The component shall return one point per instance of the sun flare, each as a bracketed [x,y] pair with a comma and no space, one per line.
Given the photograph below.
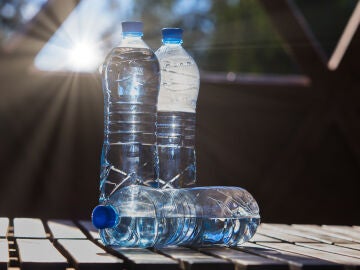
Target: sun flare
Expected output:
[84,57]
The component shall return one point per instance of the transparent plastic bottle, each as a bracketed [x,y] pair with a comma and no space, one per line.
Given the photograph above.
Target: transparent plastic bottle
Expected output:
[131,81]
[178,93]
[139,216]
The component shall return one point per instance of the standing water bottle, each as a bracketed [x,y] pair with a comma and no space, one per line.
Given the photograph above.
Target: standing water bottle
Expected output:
[139,216]
[176,112]
[131,81]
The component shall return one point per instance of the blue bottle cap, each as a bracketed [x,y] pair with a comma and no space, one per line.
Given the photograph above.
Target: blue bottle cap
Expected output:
[172,35]
[104,217]
[132,28]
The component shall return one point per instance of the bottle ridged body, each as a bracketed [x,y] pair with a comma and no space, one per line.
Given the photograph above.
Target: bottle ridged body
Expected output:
[176,117]
[131,79]
[204,216]
[176,149]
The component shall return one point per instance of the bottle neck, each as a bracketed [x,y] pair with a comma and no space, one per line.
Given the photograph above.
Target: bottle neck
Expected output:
[172,47]
[133,40]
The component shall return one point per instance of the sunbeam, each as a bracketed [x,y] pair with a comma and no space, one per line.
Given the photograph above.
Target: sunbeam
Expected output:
[84,57]
[85,37]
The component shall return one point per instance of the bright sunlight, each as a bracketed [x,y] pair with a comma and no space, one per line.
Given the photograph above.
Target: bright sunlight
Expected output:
[84,57]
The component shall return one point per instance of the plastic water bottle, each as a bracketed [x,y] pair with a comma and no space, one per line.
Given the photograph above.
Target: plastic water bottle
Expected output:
[139,216]
[176,112]
[131,81]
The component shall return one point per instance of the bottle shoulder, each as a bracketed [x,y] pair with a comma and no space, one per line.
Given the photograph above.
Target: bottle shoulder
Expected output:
[133,43]
[122,52]
[176,57]
[130,46]
[172,51]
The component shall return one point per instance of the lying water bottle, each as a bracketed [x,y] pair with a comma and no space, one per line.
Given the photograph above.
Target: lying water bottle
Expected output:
[176,112]
[140,216]
[131,81]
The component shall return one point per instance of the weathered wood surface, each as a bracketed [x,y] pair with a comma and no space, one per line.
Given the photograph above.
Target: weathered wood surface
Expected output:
[63,244]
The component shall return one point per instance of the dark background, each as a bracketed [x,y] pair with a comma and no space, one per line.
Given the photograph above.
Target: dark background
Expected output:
[271,116]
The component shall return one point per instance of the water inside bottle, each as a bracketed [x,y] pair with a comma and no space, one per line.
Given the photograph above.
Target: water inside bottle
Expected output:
[124,163]
[179,80]
[176,149]
[176,116]
[130,85]
[180,231]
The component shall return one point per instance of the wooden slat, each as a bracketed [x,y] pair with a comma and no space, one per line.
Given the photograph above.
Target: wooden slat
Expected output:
[303,232]
[4,254]
[244,260]
[29,228]
[193,260]
[314,253]
[323,235]
[352,246]
[90,229]
[138,259]
[343,229]
[333,249]
[64,229]
[4,226]
[262,238]
[35,254]
[86,255]
[317,228]
[297,261]
[284,236]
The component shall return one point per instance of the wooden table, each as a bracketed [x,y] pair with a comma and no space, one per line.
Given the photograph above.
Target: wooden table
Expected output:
[63,244]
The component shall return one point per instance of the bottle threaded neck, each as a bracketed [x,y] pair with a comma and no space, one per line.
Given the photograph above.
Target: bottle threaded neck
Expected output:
[132,29]
[172,35]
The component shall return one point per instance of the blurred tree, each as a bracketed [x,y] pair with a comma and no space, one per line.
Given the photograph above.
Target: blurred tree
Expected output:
[14,14]
[244,40]
[222,35]
[10,17]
